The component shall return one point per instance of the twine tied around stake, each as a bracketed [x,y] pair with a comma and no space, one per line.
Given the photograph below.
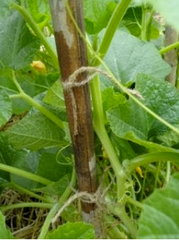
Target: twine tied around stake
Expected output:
[71,83]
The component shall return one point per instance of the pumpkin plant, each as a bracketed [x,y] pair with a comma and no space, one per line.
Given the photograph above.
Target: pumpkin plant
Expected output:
[89,124]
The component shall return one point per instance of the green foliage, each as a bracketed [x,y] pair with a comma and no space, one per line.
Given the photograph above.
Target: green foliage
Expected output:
[97,14]
[78,230]
[130,122]
[6,108]
[128,56]
[35,138]
[4,233]
[35,131]
[159,219]
[18,45]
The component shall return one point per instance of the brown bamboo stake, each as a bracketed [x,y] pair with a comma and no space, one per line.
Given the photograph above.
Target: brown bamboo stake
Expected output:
[72,55]
[171,57]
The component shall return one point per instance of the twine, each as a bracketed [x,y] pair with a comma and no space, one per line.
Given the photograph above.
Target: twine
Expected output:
[71,83]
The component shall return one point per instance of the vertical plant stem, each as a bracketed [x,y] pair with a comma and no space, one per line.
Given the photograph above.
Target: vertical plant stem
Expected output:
[157,174]
[168,172]
[143,30]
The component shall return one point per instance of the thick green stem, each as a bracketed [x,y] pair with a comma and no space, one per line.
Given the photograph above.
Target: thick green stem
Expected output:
[24,174]
[98,122]
[113,231]
[47,222]
[116,18]
[169,48]
[27,204]
[37,31]
[121,213]
[98,115]
[149,158]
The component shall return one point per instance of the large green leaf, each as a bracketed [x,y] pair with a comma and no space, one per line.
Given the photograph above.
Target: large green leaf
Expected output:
[6,108]
[78,230]
[129,121]
[160,217]
[4,233]
[128,56]
[97,14]
[35,131]
[17,45]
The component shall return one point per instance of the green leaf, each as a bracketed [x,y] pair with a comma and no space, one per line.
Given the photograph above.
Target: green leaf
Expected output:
[39,10]
[49,167]
[122,147]
[4,233]
[5,9]
[111,99]
[78,230]
[54,96]
[6,108]
[97,14]
[129,56]
[160,217]
[17,45]
[131,122]
[35,131]
[27,161]
[56,188]
[6,82]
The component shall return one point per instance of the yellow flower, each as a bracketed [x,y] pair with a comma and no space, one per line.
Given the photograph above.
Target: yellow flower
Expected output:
[39,66]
